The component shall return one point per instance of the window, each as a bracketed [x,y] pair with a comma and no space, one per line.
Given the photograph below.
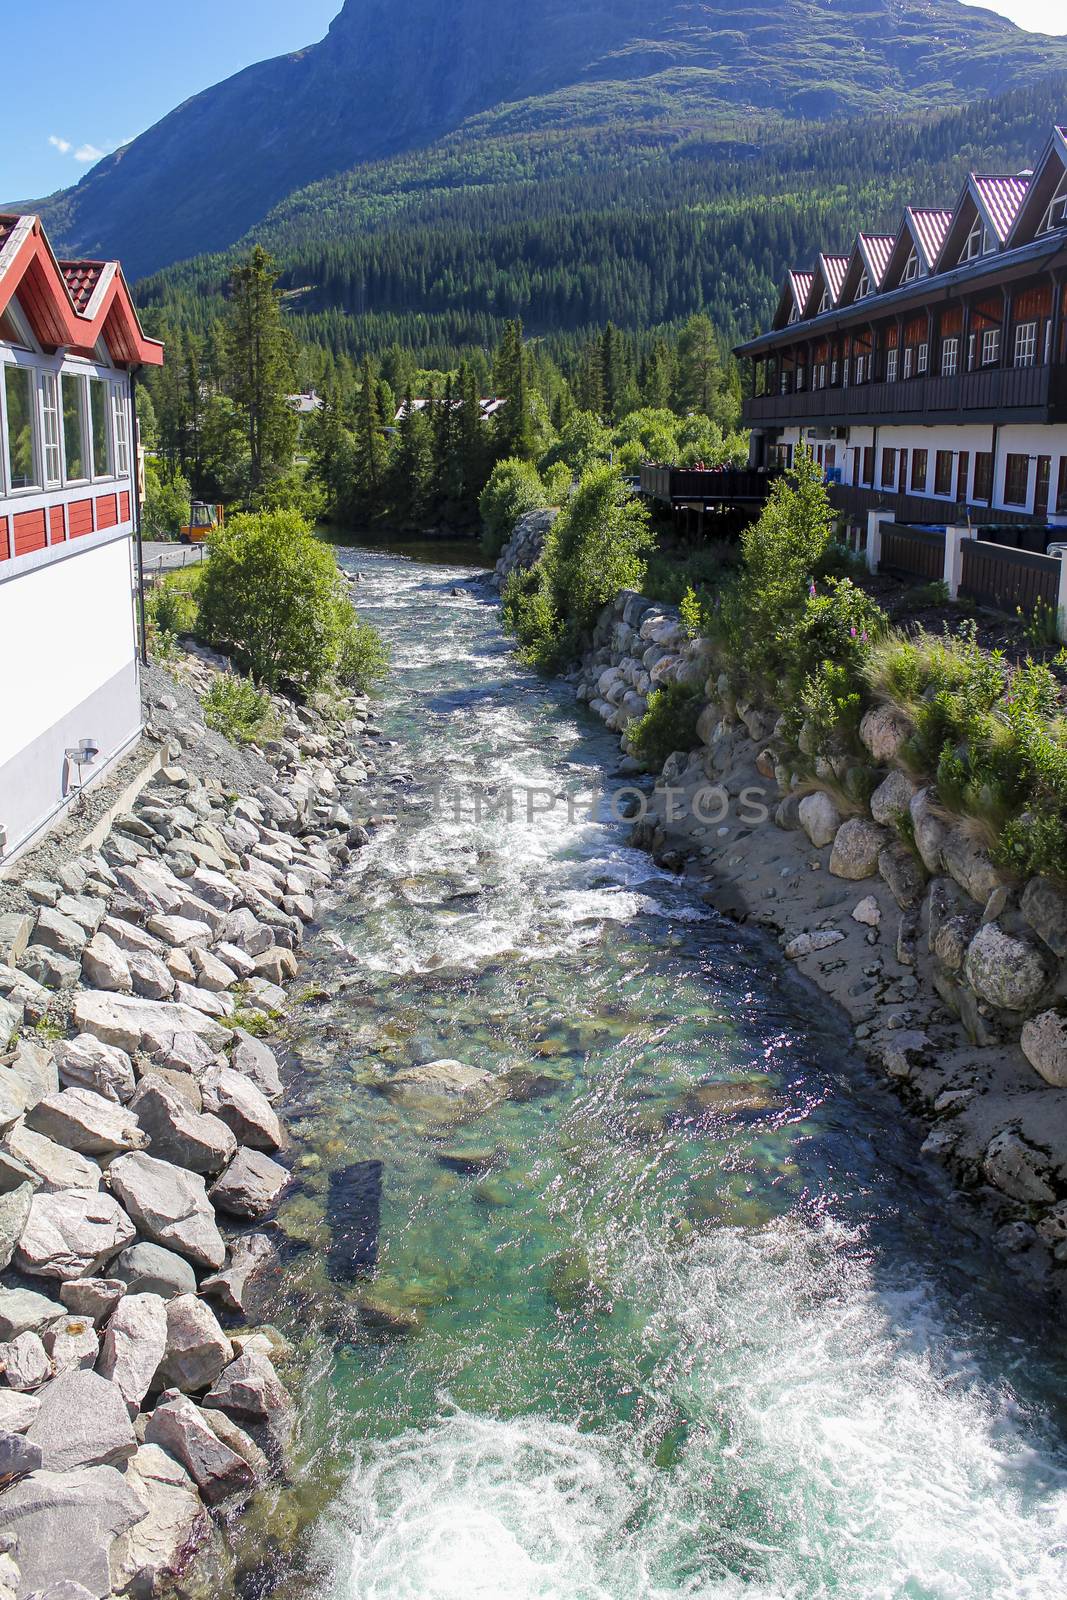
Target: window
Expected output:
[867,468]
[833,371]
[863,288]
[1061,492]
[861,369]
[891,366]
[911,267]
[990,347]
[19,390]
[52,447]
[970,352]
[794,315]
[919,459]
[1056,215]
[122,435]
[74,427]
[100,431]
[983,477]
[889,467]
[1026,344]
[973,245]
[824,303]
[1016,480]
[909,360]
[950,357]
[943,472]
[924,358]
[800,378]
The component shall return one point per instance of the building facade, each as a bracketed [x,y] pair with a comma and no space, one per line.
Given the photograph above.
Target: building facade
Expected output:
[70,343]
[927,370]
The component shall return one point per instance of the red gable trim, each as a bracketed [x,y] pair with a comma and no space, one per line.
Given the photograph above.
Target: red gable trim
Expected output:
[29,268]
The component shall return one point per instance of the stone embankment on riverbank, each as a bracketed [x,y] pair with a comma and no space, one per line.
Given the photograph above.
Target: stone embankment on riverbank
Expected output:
[953,975]
[141,1151]
[524,547]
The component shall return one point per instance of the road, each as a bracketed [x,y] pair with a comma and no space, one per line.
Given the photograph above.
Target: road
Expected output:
[166,555]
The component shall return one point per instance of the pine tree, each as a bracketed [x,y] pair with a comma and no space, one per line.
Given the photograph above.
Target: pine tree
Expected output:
[370,446]
[411,465]
[699,367]
[515,430]
[259,367]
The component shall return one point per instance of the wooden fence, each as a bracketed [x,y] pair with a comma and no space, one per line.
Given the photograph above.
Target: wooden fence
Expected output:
[913,552]
[1006,579]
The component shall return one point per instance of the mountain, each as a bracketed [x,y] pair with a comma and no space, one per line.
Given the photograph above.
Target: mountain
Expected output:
[395,76]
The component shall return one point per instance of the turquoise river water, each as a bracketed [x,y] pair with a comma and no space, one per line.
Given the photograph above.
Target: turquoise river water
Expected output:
[695,1316]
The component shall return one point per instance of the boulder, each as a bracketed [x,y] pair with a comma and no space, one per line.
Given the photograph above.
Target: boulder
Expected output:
[883,731]
[250,1186]
[1044,905]
[92,1298]
[17,1411]
[867,912]
[88,1123]
[180,932]
[1044,1044]
[177,1133]
[857,846]
[65,1525]
[72,1233]
[151,978]
[443,1080]
[35,1069]
[239,960]
[257,1061]
[86,910]
[970,865]
[149,1269]
[149,1025]
[180,1428]
[902,872]
[16,930]
[25,1363]
[12,1014]
[252,1395]
[245,931]
[26,1311]
[250,1255]
[134,1345]
[49,968]
[14,1215]
[83,1422]
[59,933]
[810,942]
[892,799]
[1014,1166]
[72,1344]
[242,1107]
[241,1443]
[157,1549]
[197,1350]
[87,1063]
[819,818]
[54,1167]
[104,966]
[169,1206]
[1004,970]
[18,1456]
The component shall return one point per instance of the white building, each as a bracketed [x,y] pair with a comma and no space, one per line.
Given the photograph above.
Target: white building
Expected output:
[70,342]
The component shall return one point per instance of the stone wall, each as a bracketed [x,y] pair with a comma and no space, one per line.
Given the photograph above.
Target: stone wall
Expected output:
[141,1150]
[952,974]
[524,547]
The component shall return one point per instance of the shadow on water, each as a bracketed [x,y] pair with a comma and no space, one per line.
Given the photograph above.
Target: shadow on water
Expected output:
[673,1306]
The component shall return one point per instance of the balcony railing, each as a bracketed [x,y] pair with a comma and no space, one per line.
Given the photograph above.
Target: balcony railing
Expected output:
[992,389]
[722,485]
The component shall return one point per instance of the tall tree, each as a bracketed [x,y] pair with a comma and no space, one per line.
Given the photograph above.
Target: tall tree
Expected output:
[515,426]
[411,465]
[699,367]
[259,366]
[370,444]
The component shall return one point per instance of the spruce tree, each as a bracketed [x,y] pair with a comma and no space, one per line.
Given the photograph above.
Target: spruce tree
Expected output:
[370,446]
[259,366]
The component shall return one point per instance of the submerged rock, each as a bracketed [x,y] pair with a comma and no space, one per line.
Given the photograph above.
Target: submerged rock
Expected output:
[354,1213]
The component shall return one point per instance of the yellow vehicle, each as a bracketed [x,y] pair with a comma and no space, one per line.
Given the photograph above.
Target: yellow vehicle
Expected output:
[203,520]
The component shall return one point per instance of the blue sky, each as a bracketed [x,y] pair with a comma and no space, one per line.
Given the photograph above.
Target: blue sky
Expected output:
[72,92]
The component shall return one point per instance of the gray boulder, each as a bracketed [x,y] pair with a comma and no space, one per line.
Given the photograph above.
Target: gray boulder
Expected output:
[88,1123]
[1044,905]
[25,1363]
[149,1025]
[25,1311]
[53,1166]
[149,1269]
[857,846]
[245,931]
[257,1061]
[439,1081]
[65,1525]
[242,1107]
[71,1234]
[14,1215]
[88,1063]
[1044,1044]
[251,1184]
[1006,971]
[903,873]
[177,1133]
[883,731]
[251,1393]
[12,1014]
[151,978]
[134,1345]
[34,1067]
[928,829]
[70,1344]
[86,910]
[104,966]
[92,1298]
[892,799]
[59,933]
[197,1350]
[1013,1165]
[49,968]
[18,1456]
[157,1550]
[169,1206]
[17,1411]
[180,932]
[250,1255]
[819,818]
[83,1422]
[969,865]
[180,1428]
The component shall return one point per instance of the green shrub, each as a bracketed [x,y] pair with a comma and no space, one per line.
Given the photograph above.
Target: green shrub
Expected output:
[234,707]
[173,605]
[557,481]
[514,488]
[363,656]
[166,503]
[583,443]
[271,596]
[669,724]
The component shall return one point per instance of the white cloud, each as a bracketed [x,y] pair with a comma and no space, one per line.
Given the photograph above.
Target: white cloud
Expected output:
[88,152]
[62,145]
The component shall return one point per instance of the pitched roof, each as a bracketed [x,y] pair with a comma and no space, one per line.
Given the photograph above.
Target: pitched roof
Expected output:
[835,268]
[801,284]
[877,248]
[929,227]
[1001,197]
[70,303]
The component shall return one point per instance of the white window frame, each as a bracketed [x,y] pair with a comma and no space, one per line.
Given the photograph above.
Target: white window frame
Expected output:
[109,443]
[909,360]
[974,242]
[891,357]
[35,429]
[1025,350]
[990,347]
[1056,210]
[824,303]
[121,407]
[911,267]
[950,356]
[51,430]
[863,288]
[922,365]
[833,371]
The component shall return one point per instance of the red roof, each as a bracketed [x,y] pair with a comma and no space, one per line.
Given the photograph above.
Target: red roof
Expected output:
[1001,197]
[835,268]
[71,303]
[929,227]
[802,282]
[878,247]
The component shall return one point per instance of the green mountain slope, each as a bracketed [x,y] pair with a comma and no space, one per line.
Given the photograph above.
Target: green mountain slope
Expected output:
[398,75]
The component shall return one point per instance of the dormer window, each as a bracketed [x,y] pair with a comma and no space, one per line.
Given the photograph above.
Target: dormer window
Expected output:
[911,267]
[824,303]
[1056,215]
[794,315]
[863,288]
[14,329]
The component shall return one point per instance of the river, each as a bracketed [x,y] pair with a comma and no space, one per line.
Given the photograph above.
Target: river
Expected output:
[697,1319]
